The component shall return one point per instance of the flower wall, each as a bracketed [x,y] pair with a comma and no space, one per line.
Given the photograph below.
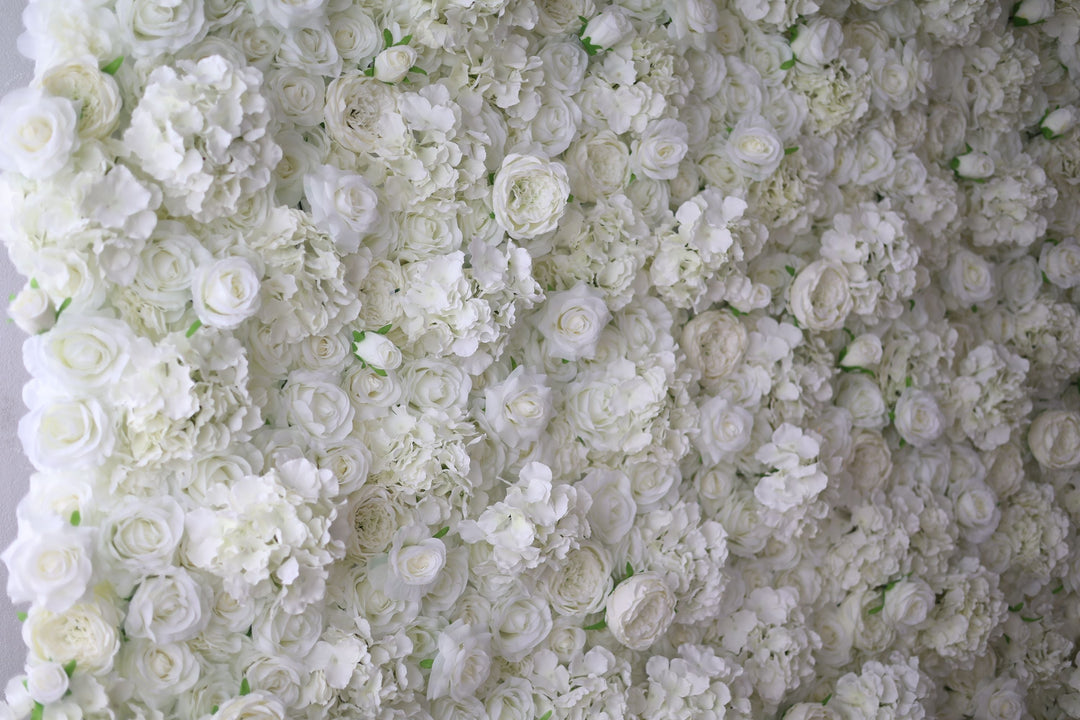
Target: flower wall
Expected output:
[547,360]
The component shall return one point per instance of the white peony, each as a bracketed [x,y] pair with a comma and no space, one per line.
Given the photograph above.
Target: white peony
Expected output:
[529,196]
[342,204]
[640,610]
[820,296]
[1054,439]
[754,148]
[518,409]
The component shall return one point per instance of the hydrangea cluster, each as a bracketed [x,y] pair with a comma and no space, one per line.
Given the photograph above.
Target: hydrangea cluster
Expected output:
[547,360]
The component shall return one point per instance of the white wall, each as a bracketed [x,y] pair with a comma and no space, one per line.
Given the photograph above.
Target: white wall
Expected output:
[15,71]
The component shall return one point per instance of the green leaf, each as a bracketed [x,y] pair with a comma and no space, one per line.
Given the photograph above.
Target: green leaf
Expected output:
[442,532]
[388,38]
[791,150]
[426,663]
[370,72]
[596,626]
[34,283]
[1037,618]
[69,668]
[213,709]
[357,336]
[849,333]
[1017,607]
[570,198]
[1045,279]
[736,312]
[1008,640]
[907,381]
[827,699]
[194,328]
[385,328]
[37,712]
[633,177]
[629,570]
[245,687]
[491,215]
[21,616]
[546,716]
[842,355]
[491,178]
[787,64]
[790,270]
[11,297]
[63,307]
[1059,588]
[418,69]
[513,364]
[857,369]
[911,304]
[404,41]
[112,67]
[76,518]
[876,610]
[954,164]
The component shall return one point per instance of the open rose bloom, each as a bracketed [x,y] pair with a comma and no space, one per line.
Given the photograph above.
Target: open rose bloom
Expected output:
[554,360]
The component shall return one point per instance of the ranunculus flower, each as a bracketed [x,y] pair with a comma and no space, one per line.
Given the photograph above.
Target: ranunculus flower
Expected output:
[529,196]
[640,610]
[820,296]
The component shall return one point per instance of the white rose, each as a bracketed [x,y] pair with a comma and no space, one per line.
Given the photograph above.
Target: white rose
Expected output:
[861,396]
[342,204]
[462,663]
[256,705]
[300,96]
[724,429]
[49,563]
[377,350]
[908,602]
[864,351]
[564,64]
[168,608]
[529,196]
[225,292]
[579,585]
[415,561]
[436,385]
[973,166]
[820,296]
[80,353]
[160,27]
[818,42]
[519,408]
[316,404]
[355,34]
[571,322]
[159,670]
[970,278]
[1000,699]
[32,310]
[1021,282]
[612,511]
[95,93]
[1029,12]
[609,28]
[556,122]
[47,682]
[518,625]
[37,133]
[659,150]
[394,63]
[1061,263]
[714,342]
[65,433]
[85,633]
[917,417]
[754,148]
[977,510]
[640,610]
[1054,439]
[140,535]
